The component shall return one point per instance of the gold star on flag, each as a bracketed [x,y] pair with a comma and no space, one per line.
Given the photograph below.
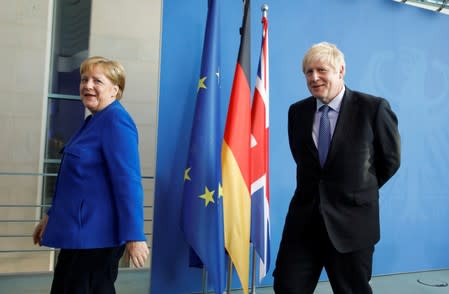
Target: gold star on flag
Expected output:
[208,196]
[186,174]
[201,84]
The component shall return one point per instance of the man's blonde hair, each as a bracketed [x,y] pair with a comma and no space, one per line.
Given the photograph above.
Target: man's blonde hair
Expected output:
[325,52]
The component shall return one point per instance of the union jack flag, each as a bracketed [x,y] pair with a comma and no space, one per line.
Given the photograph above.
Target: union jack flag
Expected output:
[260,200]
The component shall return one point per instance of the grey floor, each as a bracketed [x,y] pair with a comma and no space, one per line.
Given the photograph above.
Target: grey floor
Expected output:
[137,282]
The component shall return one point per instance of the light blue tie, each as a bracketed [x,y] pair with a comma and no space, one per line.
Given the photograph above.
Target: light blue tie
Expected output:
[324,134]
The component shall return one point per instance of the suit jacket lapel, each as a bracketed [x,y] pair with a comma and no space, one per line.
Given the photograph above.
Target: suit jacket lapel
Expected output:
[344,123]
[307,121]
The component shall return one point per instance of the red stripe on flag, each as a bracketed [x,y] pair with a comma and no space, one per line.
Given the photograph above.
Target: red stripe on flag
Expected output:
[237,132]
[260,133]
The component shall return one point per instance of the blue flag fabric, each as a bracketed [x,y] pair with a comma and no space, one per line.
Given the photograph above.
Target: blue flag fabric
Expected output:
[202,202]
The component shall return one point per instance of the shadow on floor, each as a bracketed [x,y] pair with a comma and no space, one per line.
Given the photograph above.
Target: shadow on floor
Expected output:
[138,282]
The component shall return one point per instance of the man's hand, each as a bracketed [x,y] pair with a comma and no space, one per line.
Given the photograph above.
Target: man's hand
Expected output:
[138,252]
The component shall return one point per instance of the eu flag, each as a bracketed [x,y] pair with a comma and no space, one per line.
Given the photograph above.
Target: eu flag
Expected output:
[202,203]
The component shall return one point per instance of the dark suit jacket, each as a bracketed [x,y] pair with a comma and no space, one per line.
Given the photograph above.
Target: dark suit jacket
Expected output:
[364,153]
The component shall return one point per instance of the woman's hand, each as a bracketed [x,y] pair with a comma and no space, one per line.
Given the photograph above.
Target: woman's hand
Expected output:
[138,252]
[39,230]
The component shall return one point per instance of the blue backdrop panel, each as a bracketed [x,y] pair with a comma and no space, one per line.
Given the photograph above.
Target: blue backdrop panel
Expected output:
[392,50]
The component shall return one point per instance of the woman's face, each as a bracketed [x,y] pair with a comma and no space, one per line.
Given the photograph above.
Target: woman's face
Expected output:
[96,90]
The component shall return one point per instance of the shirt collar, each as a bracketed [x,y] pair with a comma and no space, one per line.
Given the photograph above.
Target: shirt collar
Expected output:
[335,103]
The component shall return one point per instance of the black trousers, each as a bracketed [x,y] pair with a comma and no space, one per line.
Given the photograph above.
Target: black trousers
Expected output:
[86,271]
[301,258]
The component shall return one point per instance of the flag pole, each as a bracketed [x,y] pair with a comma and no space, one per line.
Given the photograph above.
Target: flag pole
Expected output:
[229,280]
[204,282]
[264,9]
[253,279]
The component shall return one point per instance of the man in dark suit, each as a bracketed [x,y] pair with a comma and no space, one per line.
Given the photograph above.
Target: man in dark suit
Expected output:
[346,146]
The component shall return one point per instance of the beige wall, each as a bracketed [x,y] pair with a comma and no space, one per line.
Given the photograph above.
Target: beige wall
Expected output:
[128,31]
[24,31]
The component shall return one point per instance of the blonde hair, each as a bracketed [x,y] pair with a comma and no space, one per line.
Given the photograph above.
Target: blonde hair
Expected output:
[113,70]
[325,52]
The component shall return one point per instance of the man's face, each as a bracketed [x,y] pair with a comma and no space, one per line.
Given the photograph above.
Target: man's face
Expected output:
[323,81]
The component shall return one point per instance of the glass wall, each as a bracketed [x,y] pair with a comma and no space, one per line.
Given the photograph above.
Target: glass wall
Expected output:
[70,44]
[65,116]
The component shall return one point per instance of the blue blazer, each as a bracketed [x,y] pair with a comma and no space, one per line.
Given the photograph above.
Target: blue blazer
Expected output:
[98,200]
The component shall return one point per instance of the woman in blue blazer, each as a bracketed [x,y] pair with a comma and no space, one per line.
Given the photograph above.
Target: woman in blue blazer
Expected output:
[97,209]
